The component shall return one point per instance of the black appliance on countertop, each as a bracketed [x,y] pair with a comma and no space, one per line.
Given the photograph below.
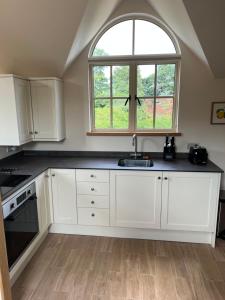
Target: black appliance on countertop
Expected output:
[169,151]
[198,155]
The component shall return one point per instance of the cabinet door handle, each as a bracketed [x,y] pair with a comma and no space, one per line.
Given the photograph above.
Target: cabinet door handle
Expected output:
[165,178]
[159,177]
[36,132]
[92,189]
[31,132]
[93,215]
[92,176]
[53,175]
[92,202]
[47,176]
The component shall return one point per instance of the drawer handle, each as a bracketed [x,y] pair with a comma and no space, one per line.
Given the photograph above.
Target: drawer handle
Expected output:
[92,176]
[92,202]
[166,178]
[93,215]
[159,177]
[92,189]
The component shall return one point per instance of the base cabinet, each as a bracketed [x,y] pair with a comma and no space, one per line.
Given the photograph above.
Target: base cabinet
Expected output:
[64,196]
[135,199]
[44,204]
[189,201]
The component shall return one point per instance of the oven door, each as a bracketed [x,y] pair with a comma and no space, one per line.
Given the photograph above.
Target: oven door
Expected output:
[21,227]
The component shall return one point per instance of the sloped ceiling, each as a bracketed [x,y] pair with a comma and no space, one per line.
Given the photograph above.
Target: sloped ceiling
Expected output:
[36,35]
[208,19]
[44,37]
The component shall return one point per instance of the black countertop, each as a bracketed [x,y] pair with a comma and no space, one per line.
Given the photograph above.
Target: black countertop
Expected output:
[35,163]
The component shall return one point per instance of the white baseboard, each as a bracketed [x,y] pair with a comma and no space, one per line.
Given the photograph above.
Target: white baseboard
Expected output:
[26,257]
[150,234]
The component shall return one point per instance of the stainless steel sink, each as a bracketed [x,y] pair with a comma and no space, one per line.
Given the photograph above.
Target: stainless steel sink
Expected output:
[129,162]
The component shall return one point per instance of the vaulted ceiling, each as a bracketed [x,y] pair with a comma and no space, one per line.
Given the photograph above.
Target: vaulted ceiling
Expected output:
[44,37]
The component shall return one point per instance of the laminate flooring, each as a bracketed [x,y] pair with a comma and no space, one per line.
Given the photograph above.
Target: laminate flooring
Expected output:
[72,267]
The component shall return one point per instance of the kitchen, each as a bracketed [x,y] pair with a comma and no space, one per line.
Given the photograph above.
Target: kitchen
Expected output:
[111,175]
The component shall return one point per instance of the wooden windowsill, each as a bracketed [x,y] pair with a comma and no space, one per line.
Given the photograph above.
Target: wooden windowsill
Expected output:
[104,133]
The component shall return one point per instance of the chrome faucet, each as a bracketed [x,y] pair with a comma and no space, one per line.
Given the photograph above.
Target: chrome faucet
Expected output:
[134,143]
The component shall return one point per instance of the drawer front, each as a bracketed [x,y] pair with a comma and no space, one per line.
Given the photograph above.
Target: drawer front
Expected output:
[93,216]
[92,175]
[92,188]
[93,201]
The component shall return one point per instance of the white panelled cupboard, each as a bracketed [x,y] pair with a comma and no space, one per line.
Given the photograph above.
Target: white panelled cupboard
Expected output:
[31,110]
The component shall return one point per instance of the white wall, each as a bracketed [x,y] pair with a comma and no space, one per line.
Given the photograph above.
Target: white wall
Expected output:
[198,90]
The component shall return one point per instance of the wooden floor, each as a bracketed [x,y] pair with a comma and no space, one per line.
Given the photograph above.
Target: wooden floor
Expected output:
[100,268]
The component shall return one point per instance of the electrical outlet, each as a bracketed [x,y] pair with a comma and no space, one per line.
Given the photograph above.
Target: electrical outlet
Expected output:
[11,149]
[189,145]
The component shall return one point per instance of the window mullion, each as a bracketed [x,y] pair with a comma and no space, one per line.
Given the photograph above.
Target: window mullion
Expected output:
[132,92]
[155,91]
[111,104]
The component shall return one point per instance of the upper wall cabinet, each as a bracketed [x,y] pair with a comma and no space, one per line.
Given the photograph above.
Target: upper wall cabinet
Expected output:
[15,111]
[30,110]
[48,113]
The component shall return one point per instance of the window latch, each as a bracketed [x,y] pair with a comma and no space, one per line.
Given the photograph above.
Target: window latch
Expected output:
[138,100]
[128,99]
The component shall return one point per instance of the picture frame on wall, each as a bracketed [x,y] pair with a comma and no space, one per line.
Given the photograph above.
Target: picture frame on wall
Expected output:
[218,113]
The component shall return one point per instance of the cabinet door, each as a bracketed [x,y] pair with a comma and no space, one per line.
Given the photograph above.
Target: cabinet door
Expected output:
[189,201]
[44,205]
[135,199]
[64,196]
[24,113]
[44,111]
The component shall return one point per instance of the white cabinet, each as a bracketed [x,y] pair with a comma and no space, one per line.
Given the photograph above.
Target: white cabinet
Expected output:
[15,111]
[44,201]
[64,196]
[93,197]
[30,110]
[135,199]
[48,113]
[189,201]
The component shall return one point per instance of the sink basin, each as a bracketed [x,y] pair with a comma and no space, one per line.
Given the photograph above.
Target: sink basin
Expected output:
[129,162]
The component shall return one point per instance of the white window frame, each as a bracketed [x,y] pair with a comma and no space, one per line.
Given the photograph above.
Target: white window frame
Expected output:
[132,61]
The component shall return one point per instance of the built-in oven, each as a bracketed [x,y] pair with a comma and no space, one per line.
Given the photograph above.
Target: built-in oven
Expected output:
[21,222]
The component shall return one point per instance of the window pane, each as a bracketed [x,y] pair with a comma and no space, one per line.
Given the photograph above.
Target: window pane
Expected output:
[101,78]
[116,41]
[120,114]
[145,114]
[164,113]
[120,81]
[151,39]
[102,113]
[145,80]
[165,80]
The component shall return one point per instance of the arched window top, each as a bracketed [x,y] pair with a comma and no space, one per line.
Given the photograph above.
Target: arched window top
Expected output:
[134,37]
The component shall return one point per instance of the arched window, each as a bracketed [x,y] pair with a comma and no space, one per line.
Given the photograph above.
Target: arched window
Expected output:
[134,76]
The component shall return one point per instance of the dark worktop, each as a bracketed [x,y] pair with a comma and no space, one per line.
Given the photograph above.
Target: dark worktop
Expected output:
[34,163]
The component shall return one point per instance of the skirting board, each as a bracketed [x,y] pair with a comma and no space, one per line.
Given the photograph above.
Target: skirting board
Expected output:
[149,234]
[26,257]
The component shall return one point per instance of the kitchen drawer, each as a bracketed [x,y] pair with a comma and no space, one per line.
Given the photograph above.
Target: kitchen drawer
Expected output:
[92,188]
[93,201]
[93,216]
[92,175]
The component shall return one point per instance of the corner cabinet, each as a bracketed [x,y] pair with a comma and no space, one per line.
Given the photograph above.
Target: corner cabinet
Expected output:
[64,196]
[135,199]
[15,111]
[48,113]
[31,110]
[189,201]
